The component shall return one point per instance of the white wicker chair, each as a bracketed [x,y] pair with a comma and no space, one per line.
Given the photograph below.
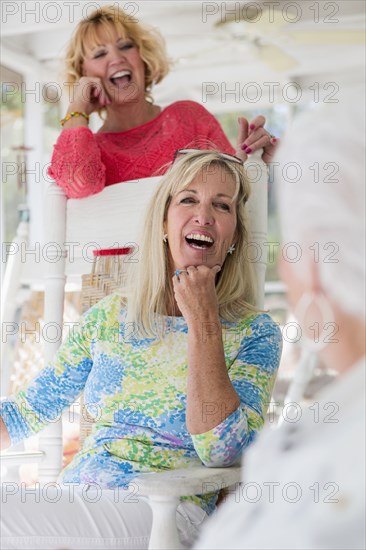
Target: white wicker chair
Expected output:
[111,220]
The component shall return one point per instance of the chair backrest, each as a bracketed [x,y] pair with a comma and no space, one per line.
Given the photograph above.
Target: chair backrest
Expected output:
[74,228]
[112,219]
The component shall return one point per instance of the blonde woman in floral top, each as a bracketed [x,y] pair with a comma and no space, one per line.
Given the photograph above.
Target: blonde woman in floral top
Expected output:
[180,372]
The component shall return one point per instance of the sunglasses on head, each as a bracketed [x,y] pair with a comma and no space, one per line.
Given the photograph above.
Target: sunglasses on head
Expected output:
[225,156]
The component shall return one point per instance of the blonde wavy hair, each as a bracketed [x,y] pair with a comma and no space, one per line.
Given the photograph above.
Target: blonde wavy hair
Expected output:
[110,20]
[149,287]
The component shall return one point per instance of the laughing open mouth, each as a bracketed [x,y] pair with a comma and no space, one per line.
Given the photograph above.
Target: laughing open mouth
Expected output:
[196,240]
[121,78]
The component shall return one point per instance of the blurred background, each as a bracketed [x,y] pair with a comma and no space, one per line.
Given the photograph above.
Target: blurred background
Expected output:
[274,58]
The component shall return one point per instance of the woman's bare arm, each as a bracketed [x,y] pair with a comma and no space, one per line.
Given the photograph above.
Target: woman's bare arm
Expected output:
[211,396]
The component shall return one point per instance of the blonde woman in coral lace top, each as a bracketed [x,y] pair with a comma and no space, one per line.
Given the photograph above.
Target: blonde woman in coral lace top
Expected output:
[112,63]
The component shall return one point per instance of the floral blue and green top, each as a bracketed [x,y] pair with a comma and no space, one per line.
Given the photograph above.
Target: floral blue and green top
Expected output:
[136,391]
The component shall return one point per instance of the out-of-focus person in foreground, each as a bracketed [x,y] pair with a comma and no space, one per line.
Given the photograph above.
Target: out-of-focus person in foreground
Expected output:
[304,483]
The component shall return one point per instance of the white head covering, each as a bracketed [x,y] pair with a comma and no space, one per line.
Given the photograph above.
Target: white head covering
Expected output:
[323,211]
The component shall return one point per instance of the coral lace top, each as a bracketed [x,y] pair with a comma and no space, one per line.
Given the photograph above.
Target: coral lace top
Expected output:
[83,163]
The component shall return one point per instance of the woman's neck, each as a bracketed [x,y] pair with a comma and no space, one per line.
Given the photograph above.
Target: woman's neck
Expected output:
[121,118]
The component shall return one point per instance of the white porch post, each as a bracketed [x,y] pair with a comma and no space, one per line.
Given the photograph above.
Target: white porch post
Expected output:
[50,439]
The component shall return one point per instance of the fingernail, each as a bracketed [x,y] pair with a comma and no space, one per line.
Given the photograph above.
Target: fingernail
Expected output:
[274,140]
[252,126]
[248,150]
[243,147]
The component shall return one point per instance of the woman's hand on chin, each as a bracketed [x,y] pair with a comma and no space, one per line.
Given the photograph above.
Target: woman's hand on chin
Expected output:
[195,293]
[89,95]
[253,136]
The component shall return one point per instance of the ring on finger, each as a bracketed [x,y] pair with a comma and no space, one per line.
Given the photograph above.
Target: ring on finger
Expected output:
[179,271]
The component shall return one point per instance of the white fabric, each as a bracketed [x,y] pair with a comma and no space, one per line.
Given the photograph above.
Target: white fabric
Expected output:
[315,470]
[83,517]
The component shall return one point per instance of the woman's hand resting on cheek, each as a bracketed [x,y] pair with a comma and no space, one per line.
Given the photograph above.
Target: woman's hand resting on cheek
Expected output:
[195,293]
[89,96]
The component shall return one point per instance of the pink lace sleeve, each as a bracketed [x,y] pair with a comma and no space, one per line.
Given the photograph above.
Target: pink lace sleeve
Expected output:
[76,163]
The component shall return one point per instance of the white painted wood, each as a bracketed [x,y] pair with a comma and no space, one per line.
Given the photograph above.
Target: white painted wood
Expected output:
[110,219]
[9,303]
[195,480]
[164,490]
[21,63]
[54,254]
[164,533]
[17,458]
[50,439]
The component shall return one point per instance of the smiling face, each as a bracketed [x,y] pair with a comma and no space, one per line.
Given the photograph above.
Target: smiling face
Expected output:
[201,221]
[117,62]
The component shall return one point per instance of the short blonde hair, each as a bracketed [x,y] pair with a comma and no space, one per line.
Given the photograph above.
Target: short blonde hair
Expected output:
[149,279]
[111,19]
